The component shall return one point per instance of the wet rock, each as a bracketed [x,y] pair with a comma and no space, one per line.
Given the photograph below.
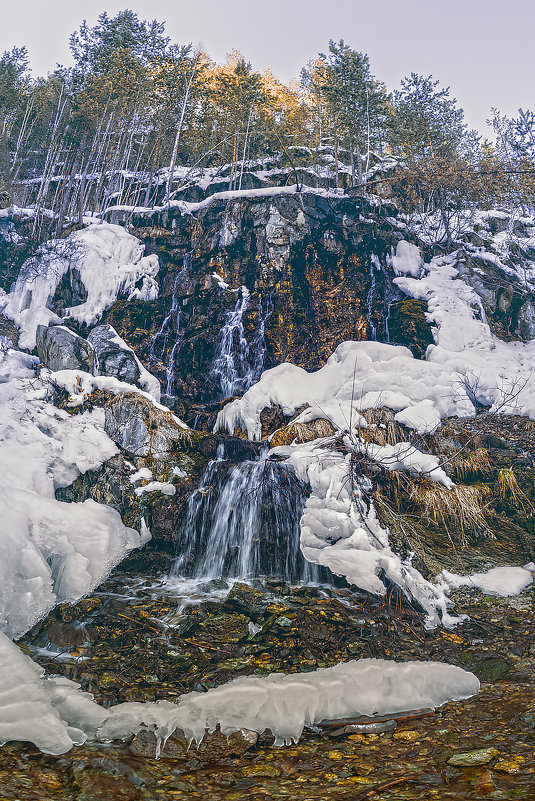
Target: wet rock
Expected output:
[247,600]
[480,757]
[59,348]
[9,330]
[111,357]
[140,429]
[213,747]
[223,629]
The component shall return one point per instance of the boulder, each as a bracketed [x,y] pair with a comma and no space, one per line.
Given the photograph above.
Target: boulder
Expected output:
[59,348]
[113,357]
[141,429]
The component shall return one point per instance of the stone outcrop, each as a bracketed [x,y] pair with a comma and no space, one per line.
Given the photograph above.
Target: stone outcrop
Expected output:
[112,359]
[140,429]
[59,348]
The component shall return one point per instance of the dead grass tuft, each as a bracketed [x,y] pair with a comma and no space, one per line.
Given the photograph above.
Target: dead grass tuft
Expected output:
[471,464]
[302,432]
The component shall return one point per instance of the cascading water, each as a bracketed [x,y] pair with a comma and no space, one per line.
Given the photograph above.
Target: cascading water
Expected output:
[243,522]
[170,329]
[388,293]
[238,363]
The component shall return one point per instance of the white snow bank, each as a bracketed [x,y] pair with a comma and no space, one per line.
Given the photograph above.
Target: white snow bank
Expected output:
[482,367]
[108,260]
[54,714]
[49,551]
[340,530]
[502,581]
[358,376]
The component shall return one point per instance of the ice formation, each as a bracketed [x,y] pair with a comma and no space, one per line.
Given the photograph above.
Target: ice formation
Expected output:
[54,714]
[503,581]
[340,529]
[51,551]
[466,365]
[109,261]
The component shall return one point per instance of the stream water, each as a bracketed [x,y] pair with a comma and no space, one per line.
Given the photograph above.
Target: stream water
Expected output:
[243,522]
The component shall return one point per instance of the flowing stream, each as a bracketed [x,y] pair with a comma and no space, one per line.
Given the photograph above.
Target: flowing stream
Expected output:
[170,330]
[243,522]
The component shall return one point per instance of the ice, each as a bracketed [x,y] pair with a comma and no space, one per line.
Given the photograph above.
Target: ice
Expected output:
[408,259]
[50,551]
[340,529]
[156,486]
[502,581]
[108,260]
[54,714]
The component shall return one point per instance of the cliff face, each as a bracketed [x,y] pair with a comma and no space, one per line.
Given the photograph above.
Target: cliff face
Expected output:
[311,266]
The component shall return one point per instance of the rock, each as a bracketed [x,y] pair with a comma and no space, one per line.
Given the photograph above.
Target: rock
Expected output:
[112,359]
[406,735]
[213,747]
[511,765]
[8,331]
[480,757]
[140,429]
[246,600]
[223,628]
[59,348]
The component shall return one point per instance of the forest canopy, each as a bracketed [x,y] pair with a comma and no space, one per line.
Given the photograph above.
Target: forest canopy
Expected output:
[137,114]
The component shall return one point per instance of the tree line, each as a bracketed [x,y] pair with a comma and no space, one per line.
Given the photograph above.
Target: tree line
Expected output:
[137,114]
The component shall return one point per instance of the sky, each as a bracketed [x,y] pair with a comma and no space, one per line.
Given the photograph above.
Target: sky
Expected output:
[482,49]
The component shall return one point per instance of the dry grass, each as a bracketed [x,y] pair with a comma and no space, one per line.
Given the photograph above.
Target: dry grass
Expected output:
[302,432]
[459,509]
[471,464]
[509,490]
[383,429]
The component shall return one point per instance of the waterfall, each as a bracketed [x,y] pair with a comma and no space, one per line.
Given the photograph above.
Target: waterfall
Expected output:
[238,363]
[374,264]
[390,294]
[242,522]
[170,328]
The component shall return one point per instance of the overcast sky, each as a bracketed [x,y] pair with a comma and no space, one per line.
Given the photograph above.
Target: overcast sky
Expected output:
[482,49]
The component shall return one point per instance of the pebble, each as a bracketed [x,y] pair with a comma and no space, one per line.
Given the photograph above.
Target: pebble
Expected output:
[480,757]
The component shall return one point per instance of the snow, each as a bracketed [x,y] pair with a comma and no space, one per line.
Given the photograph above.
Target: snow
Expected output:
[156,486]
[408,259]
[54,714]
[357,376]
[423,417]
[340,529]
[148,381]
[502,581]
[108,260]
[480,366]
[50,551]
[80,385]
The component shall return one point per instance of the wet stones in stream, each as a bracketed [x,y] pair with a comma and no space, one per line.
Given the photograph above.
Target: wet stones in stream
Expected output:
[139,643]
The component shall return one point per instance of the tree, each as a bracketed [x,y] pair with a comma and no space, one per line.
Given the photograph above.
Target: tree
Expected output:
[351,100]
